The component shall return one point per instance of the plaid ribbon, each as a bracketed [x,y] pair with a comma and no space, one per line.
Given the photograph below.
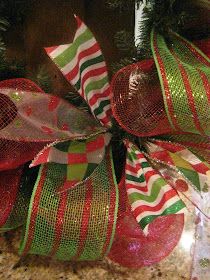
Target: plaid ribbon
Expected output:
[81,157]
[184,170]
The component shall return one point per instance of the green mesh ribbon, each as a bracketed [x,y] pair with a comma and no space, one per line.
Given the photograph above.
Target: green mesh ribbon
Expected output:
[184,73]
[78,224]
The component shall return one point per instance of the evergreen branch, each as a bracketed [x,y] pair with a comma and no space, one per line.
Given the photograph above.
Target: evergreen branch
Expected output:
[11,69]
[76,100]
[164,15]
[124,41]
[2,45]
[116,66]
[41,77]
[4,24]
[123,4]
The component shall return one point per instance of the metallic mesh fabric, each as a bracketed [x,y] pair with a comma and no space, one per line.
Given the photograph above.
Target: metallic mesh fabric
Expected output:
[78,224]
[131,247]
[185,80]
[31,120]
[137,102]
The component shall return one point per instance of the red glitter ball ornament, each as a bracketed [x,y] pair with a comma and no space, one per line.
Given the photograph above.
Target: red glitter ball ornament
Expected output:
[137,101]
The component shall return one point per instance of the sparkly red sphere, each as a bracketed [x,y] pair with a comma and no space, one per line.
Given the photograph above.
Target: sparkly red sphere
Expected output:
[137,101]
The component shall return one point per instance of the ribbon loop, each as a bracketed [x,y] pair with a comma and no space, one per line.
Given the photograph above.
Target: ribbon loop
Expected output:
[185,80]
[74,225]
[31,120]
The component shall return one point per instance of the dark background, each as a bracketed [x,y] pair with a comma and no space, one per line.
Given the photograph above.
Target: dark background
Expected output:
[51,22]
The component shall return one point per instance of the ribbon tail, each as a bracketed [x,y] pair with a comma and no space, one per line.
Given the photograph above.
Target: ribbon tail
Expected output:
[15,188]
[72,225]
[82,64]
[187,173]
[148,192]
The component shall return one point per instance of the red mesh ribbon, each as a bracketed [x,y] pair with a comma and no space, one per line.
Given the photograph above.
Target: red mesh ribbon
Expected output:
[131,248]
[8,190]
[142,109]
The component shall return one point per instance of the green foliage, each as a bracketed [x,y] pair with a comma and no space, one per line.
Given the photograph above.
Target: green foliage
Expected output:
[4,24]
[168,14]
[164,16]
[11,69]
[123,4]
[15,11]
[75,99]
[41,77]
[2,45]
[122,63]
[124,41]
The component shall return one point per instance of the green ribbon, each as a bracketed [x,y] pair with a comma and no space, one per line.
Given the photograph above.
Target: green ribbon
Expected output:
[184,73]
[78,224]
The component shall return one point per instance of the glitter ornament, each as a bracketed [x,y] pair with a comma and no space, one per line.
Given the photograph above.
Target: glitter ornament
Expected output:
[137,101]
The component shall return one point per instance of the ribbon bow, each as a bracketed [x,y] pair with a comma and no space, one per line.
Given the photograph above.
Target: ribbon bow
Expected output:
[73,208]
